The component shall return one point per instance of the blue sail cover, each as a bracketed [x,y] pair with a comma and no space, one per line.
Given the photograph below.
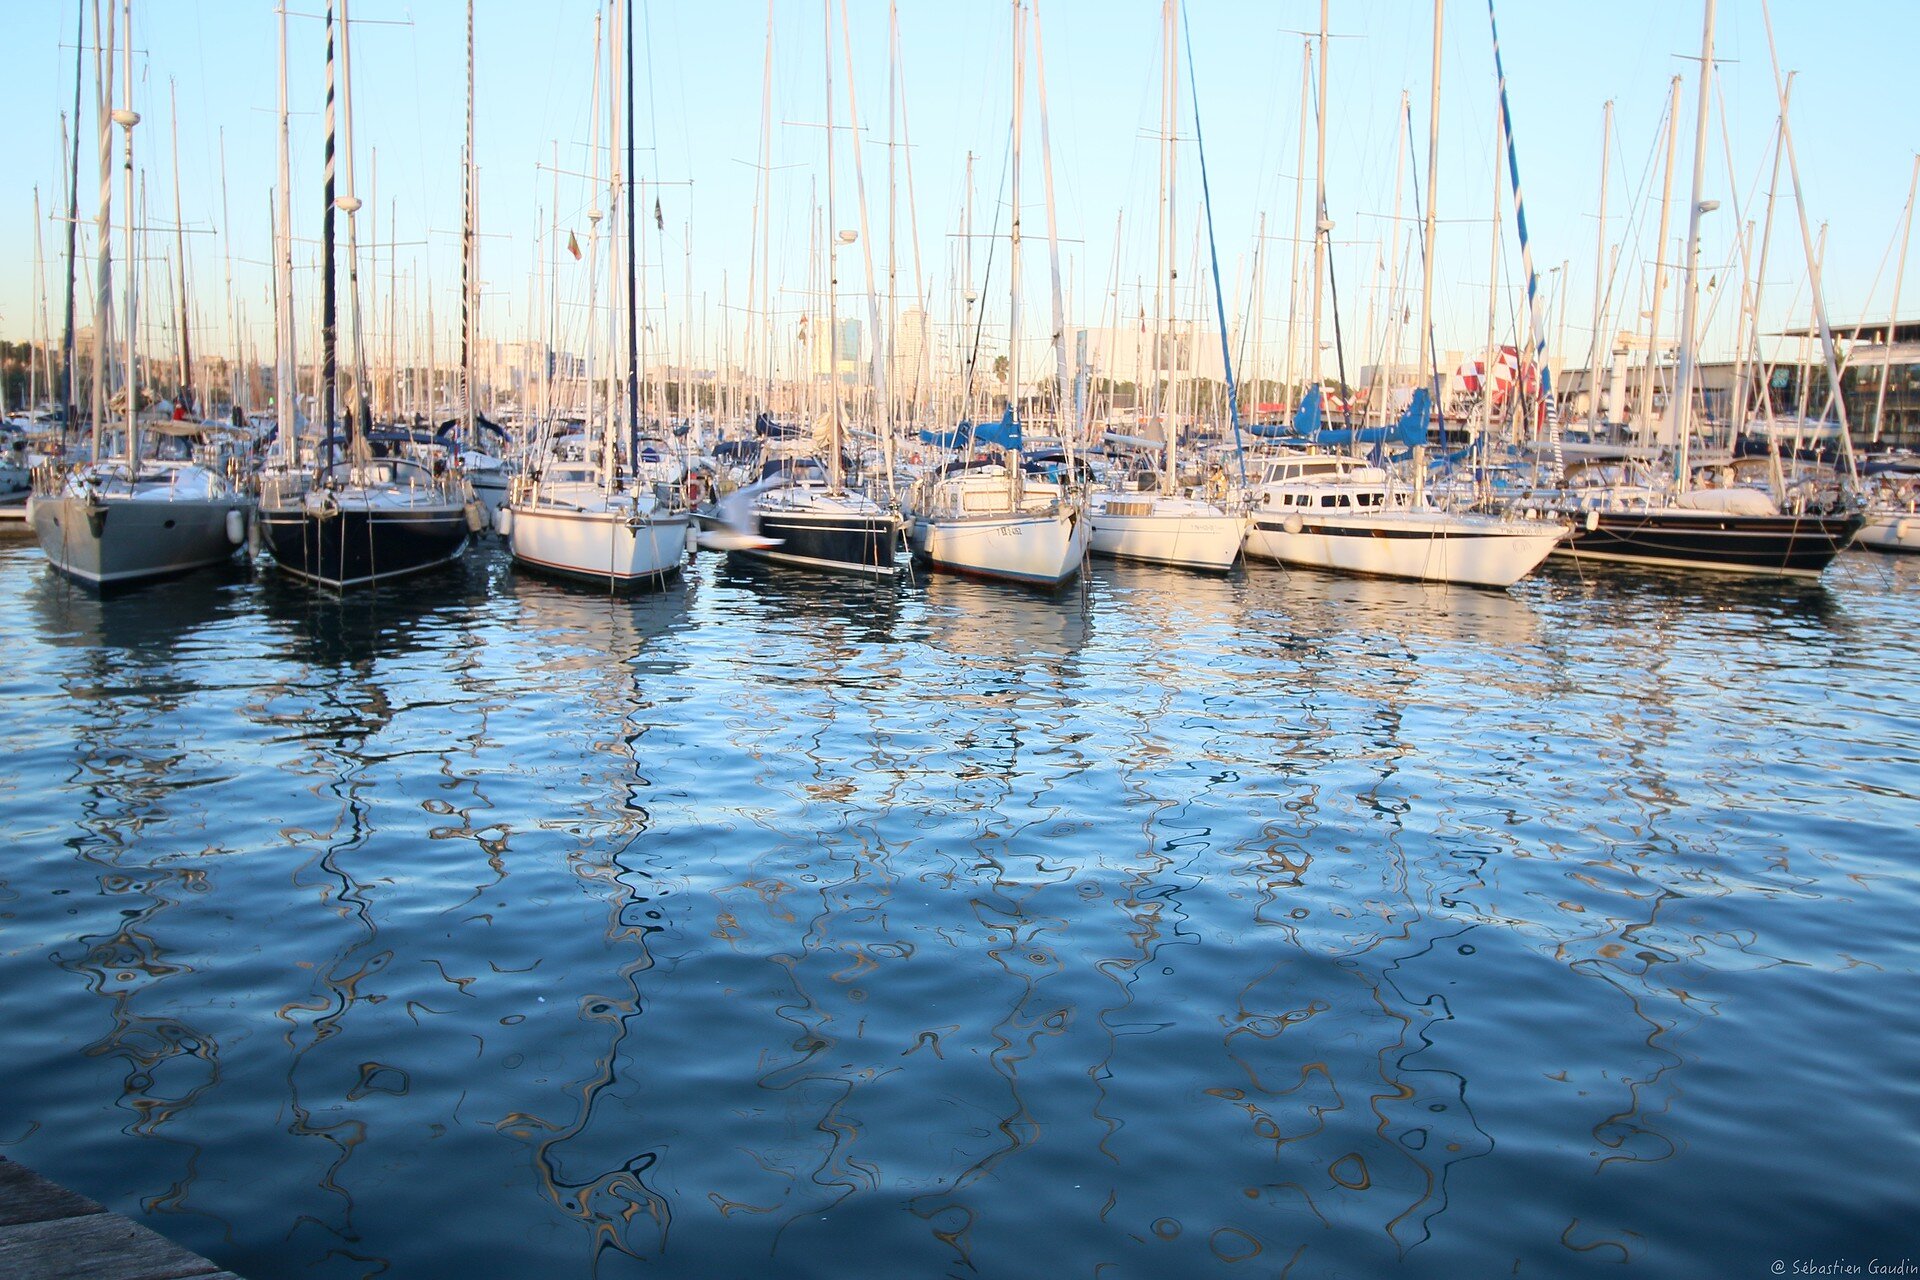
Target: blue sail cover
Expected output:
[1305,427]
[1005,433]
[1305,423]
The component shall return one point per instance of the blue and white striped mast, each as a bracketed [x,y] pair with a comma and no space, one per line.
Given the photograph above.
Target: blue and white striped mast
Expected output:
[1536,306]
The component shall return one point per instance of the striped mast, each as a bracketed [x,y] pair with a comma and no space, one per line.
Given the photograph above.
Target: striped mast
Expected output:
[127,118]
[1536,306]
[285,375]
[103,224]
[466,258]
[329,334]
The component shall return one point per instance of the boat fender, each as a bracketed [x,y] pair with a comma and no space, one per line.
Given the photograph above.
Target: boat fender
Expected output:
[693,540]
[1593,521]
[504,522]
[97,520]
[30,498]
[1900,531]
[254,538]
[236,526]
[1531,514]
[476,517]
[1292,524]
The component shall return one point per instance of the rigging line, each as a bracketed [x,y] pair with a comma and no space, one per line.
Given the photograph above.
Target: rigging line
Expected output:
[980,320]
[1220,303]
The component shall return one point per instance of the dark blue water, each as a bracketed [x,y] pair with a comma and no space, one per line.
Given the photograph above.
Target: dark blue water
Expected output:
[783,926]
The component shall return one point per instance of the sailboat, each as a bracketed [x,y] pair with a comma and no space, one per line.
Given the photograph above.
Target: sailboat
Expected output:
[590,516]
[358,518]
[1343,514]
[801,510]
[996,517]
[1148,517]
[1739,530]
[119,522]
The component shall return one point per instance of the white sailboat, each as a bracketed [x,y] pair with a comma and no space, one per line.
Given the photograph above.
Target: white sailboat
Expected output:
[591,517]
[1341,514]
[1156,522]
[992,519]
[134,519]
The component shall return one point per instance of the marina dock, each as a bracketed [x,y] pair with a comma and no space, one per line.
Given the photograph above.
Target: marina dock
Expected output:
[50,1233]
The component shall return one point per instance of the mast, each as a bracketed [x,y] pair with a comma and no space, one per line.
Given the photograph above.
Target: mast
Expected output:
[103,226]
[1680,400]
[1660,259]
[1814,263]
[1013,254]
[1062,385]
[1169,109]
[70,393]
[350,204]
[633,294]
[1299,194]
[1596,348]
[329,355]
[1428,374]
[469,429]
[1322,229]
[833,277]
[1750,348]
[180,241]
[1893,314]
[127,118]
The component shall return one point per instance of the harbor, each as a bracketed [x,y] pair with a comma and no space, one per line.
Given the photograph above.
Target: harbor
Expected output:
[827,638]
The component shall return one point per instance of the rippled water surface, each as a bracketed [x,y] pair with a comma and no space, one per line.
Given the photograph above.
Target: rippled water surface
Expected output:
[783,925]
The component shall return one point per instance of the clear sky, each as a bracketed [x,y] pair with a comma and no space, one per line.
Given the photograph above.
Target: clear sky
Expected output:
[700,75]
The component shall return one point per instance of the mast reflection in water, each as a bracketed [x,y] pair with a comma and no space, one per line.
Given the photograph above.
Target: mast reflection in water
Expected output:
[796,925]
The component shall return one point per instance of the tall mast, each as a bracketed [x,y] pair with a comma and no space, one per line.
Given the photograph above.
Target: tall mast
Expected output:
[1751,347]
[1660,258]
[1168,272]
[126,118]
[70,392]
[1062,385]
[1321,228]
[1013,251]
[633,292]
[833,276]
[329,355]
[1299,193]
[103,226]
[1428,373]
[1596,347]
[1680,401]
[285,393]
[467,283]
[1893,313]
[349,205]
[180,242]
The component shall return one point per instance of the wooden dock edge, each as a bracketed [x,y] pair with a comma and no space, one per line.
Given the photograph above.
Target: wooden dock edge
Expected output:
[50,1233]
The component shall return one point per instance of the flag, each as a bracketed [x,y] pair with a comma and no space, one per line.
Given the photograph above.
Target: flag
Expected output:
[659,219]
[573,246]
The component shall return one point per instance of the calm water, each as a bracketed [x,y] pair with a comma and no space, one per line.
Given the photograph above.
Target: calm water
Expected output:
[779,926]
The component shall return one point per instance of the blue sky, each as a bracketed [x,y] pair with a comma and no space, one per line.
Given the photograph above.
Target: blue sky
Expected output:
[700,108]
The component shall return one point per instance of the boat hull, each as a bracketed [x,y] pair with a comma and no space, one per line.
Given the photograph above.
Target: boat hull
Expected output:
[1464,550]
[1197,538]
[354,546]
[1800,546]
[1042,549]
[1896,531]
[604,547]
[842,541]
[114,542]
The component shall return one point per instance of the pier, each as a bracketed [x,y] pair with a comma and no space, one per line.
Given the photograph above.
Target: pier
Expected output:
[50,1233]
